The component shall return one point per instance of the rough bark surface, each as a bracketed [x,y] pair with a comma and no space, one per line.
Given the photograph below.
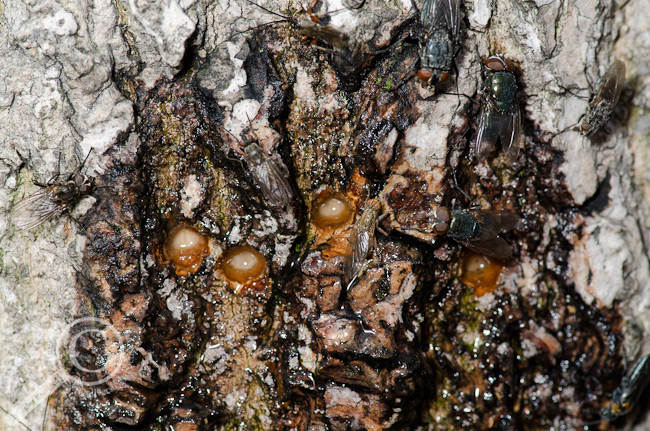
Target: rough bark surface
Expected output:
[101,329]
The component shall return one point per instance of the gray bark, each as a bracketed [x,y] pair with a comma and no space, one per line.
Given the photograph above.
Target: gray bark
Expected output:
[72,73]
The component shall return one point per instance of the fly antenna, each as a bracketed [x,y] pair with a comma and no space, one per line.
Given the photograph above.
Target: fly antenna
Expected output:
[460,189]
[286,18]
[86,158]
[237,33]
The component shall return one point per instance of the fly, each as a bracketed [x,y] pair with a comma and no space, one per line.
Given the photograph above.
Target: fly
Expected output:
[603,103]
[477,229]
[628,394]
[347,56]
[361,241]
[52,200]
[500,116]
[270,174]
[440,26]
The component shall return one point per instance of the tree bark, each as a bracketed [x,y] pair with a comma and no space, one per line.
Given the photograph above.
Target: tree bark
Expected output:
[103,326]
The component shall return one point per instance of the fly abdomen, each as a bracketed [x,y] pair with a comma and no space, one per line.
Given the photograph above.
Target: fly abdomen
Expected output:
[437,52]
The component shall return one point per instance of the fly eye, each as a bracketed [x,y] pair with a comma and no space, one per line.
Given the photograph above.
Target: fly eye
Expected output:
[440,228]
[443,76]
[425,75]
[509,66]
[85,188]
[79,180]
[443,217]
[495,63]
[585,127]
[443,214]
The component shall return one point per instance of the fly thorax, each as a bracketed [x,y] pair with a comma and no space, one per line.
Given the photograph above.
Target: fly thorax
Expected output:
[503,89]
[463,226]
[66,192]
[253,154]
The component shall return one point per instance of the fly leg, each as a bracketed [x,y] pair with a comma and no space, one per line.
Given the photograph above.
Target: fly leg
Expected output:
[464,193]
[382,231]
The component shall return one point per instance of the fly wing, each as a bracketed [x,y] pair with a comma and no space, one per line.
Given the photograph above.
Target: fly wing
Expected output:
[275,187]
[332,36]
[441,13]
[637,381]
[497,247]
[357,251]
[454,18]
[494,222]
[35,210]
[489,125]
[510,132]
[612,84]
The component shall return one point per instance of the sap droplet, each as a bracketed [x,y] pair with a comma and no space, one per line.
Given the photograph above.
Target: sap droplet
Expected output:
[186,248]
[331,211]
[480,272]
[243,264]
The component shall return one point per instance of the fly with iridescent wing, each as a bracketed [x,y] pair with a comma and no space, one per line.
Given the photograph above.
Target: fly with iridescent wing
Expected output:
[361,241]
[500,117]
[270,174]
[605,100]
[477,229]
[51,201]
[346,55]
[440,21]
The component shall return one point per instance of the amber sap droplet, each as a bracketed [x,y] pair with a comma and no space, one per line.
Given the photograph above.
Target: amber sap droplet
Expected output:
[186,248]
[331,211]
[243,264]
[480,272]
